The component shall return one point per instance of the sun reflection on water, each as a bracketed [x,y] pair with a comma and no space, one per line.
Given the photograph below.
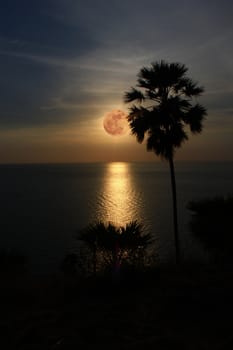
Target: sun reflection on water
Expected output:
[119,201]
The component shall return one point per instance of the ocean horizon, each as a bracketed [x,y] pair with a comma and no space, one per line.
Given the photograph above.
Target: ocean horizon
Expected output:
[43,206]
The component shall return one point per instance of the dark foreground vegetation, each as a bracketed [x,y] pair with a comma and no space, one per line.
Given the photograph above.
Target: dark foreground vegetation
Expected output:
[185,307]
[212,225]
[133,306]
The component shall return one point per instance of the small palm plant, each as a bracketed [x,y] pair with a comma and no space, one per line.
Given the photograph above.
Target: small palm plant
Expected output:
[162,109]
[112,246]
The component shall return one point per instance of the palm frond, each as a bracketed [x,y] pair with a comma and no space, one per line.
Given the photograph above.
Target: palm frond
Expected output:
[152,94]
[188,87]
[173,109]
[133,236]
[194,118]
[133,95]
[163,141]
[177,135]
[138,128]
[134,112]
[177,70]
[139,122]
[168,74]
[157,142]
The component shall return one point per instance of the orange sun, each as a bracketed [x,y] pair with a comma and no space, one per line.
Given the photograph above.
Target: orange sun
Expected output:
[115,123]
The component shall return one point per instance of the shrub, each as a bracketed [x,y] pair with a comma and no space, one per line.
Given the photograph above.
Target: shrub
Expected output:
[105,247]
[211,224]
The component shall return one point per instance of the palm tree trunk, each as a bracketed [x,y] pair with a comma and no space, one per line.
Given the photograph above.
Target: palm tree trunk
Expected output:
[94,260]
[175,220]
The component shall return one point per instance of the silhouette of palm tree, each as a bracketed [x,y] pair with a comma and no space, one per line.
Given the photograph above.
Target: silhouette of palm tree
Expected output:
[163,108]
[113,244]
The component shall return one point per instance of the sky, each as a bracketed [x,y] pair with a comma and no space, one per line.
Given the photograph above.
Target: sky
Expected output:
[64,64]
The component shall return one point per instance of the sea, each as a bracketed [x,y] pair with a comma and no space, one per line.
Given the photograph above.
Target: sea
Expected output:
[43,207]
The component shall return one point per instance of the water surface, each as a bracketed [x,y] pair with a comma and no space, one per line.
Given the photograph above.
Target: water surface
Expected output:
[43,206]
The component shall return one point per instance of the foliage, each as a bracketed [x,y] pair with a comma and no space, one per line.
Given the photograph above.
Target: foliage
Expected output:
[211,224]
[163,107]
[107,247]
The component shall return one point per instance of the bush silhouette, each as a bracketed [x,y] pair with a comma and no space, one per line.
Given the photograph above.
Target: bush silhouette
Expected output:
[211,224]
[107,247]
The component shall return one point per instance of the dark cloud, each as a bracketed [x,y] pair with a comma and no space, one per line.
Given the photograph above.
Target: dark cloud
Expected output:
[33,26]
[36,48]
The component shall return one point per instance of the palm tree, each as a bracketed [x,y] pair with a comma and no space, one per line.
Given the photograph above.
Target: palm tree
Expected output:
[113,245]
[163,108]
